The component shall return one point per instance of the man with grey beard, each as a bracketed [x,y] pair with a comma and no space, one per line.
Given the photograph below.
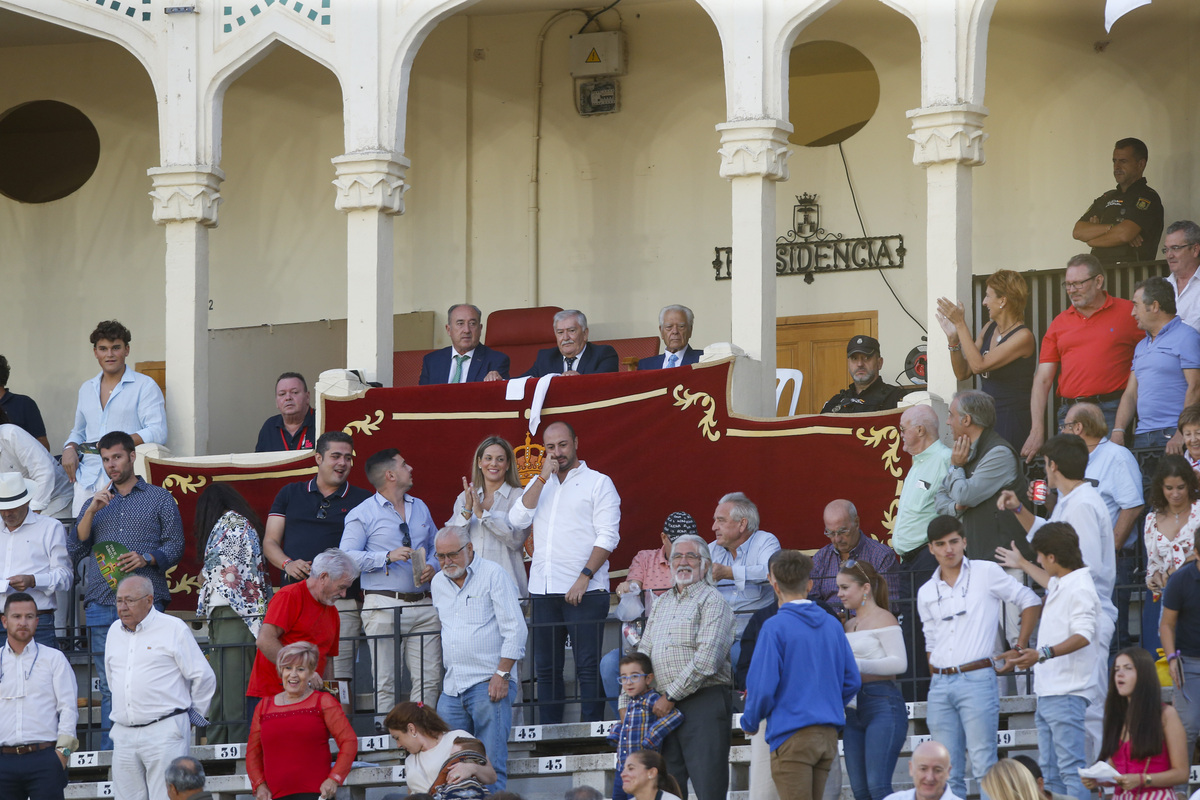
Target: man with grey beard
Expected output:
[692,627]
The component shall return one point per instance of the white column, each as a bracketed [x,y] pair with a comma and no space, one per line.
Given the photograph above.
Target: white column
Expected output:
[185,203]
[948,142]
[754,156]
[370,190]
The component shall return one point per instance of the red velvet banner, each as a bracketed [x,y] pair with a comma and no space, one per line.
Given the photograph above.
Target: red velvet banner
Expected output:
[665,437]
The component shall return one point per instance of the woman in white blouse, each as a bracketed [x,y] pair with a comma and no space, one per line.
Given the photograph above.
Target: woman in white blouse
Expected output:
[482,508]
[877,723]
[1170,533]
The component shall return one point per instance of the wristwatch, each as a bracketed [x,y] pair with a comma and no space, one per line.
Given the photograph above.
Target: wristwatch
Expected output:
[66,751]
[587,572]
[506,675]
[148,558]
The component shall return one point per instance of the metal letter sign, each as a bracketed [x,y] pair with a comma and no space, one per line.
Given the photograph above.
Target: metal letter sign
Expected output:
[807,249]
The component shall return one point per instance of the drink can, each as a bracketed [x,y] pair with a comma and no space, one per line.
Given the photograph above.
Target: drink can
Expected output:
[1037,490]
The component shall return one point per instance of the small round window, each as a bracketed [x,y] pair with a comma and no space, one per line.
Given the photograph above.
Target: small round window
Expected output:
[47,151]
[833,91]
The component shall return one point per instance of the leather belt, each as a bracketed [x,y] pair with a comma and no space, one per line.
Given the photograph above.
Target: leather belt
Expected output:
[408,597]
[1095,398]
[22,749]
[168,715]
[969,667]
[911,555]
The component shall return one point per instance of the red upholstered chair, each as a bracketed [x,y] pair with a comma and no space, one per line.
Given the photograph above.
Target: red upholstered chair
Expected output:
[631,350]
[406,367]
[519,333]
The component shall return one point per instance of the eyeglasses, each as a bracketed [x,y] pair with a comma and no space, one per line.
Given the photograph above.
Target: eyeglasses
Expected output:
[1070,423]
[122,601]
[448,556]
[1175,248]
[406,539]
[852,564]
[958,600]
[1073,285]
[630,678]
[839,532]
[324,509]
[685,556]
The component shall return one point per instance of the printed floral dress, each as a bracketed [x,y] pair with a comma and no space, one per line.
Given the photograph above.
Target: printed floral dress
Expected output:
[235,571]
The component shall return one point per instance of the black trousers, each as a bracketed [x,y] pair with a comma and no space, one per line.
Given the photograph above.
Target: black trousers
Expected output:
[699,748]
[33,776]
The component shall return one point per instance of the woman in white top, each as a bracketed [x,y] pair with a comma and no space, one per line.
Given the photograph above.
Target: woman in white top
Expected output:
[878,721]
[645,777]
[1170,533]
[482,508]
[428,740]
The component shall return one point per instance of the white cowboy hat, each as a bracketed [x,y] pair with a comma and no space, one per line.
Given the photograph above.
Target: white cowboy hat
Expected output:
[15,490]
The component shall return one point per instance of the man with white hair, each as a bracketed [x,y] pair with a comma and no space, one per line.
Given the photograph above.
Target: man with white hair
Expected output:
[688,638]
[573,355]
[160,680]
[303,612]
[675,328]
[483,640]
[739,553]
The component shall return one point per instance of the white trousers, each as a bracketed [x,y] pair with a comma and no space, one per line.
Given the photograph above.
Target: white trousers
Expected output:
[422,653]
[141,757]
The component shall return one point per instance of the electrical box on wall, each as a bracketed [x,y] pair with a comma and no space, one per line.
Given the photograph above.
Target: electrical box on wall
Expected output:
[599,97]
[596,54]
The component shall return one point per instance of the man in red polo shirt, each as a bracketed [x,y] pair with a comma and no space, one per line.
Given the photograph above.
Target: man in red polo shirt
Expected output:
[1093,340]
[303,612]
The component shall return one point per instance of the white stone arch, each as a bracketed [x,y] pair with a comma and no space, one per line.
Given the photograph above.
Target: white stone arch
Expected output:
[953,48]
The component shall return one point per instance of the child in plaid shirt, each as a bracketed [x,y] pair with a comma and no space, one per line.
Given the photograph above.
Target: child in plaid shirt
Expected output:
[638,728]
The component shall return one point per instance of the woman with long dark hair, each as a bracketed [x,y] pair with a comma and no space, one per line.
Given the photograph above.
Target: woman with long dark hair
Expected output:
[234,591]
[1170,534]
[428,741]
[1143,738]
[645,777]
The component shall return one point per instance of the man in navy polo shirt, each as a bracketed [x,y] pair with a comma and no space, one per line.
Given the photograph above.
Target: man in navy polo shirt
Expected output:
[307,518]
[1165,378]
[295,426]
[22,410]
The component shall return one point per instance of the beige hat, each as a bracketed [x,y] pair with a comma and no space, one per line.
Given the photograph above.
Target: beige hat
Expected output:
[15,490]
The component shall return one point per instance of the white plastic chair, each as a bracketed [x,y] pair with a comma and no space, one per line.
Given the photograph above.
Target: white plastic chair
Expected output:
[782,378]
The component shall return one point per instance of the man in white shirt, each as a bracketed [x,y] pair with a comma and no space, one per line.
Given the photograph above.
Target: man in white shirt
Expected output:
[159,680]
[1065,660]
[117,399]
[1081,506]
[38,713]
[33,553]
[20,452]
[576,517]
[929,768]
[1181,246]
[960,610]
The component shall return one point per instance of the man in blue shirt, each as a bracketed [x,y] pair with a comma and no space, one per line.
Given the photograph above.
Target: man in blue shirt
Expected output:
[117,399]
[1166,371]
[484,639]
[739,555]
[144,521]
[22,410]
[390,537]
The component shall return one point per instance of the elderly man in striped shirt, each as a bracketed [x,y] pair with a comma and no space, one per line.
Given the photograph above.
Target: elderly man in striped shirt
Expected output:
[688,637]
[483,636]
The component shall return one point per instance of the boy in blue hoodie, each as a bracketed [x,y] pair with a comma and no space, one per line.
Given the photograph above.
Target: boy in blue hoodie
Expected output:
[802,675]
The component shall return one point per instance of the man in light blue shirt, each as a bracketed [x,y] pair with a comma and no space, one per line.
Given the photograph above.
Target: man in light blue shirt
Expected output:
[1166,371]
[386,535]
[739,554]
[483,637]
[118,399]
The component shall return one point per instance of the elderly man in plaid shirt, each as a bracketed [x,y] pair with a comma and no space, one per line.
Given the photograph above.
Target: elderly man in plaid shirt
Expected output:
[688,637]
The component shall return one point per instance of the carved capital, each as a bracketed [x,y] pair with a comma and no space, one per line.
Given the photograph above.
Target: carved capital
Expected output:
[948,134]
[371,181]
[186,194]
[755,147]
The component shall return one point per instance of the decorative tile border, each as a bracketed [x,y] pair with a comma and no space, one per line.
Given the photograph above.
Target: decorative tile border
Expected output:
[315,11]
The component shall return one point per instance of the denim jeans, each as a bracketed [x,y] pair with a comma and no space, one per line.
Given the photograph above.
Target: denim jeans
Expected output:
[1189,708]
[963,713]
[553,619]
[610,671]
[1061,743]
[878,726]
[99,619]
[474,711]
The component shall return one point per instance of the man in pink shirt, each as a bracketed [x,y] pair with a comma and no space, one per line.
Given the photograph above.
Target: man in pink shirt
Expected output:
[652,571]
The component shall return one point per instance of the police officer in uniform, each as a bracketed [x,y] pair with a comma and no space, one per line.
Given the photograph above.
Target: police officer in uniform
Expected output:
[1125,223]
[868,392]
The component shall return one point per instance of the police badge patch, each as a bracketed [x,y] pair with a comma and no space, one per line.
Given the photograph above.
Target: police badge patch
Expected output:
[1143,203]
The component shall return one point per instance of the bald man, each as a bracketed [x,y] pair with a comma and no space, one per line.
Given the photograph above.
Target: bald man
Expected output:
[929,768]
[847,541]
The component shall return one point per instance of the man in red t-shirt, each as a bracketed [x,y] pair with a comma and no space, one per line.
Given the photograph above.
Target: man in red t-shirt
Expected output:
[303,612]
[1093,340]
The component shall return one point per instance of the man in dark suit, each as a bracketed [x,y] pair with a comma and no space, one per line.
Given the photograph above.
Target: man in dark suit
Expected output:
[465,360]
[675,327]
[573,356]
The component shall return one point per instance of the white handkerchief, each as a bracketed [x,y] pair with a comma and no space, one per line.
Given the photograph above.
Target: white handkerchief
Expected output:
[1101,772]
[515,390]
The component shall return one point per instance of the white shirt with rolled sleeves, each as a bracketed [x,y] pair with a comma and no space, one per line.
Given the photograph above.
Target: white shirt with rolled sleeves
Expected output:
[481,624]
[155,669]
[37,548]
[135,407]
[1072,607]
[969,637]
[1084,510]
[571,518]
[749,588]
[20,452]
[38,696]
